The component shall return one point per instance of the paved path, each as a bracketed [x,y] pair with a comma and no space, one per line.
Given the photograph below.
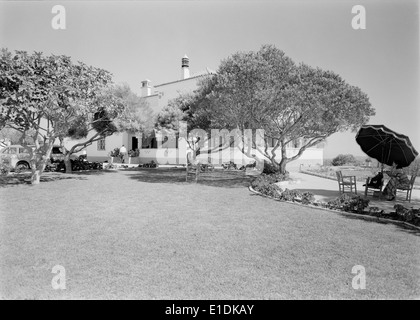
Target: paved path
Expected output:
[326,189]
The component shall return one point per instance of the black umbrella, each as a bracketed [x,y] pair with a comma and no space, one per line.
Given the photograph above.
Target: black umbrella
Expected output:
[385,145]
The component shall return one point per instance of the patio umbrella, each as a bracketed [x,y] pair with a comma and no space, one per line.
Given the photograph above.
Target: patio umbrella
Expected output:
[385,145]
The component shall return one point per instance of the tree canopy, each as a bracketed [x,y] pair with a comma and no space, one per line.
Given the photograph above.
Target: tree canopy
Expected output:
[137,115]
[267,90]
[48,97]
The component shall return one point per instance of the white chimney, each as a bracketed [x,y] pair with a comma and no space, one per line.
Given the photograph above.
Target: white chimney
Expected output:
[185,74]
[146,88]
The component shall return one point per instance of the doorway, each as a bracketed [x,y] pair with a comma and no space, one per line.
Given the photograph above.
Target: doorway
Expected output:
[134,143]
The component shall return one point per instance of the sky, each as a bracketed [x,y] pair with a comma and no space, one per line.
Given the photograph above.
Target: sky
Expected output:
[138,40]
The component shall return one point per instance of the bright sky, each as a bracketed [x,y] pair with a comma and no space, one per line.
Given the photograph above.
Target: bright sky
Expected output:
[136,40]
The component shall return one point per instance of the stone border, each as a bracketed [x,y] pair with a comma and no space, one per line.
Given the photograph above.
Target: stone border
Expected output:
[365,217]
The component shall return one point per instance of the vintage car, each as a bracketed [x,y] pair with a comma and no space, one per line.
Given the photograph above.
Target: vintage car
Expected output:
[18,157]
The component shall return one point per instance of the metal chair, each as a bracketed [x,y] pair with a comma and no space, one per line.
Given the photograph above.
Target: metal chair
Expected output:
[346,182]
[410,188]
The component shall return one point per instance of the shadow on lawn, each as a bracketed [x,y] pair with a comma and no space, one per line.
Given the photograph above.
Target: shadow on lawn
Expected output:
[400,227]
[217,178]
[13,179]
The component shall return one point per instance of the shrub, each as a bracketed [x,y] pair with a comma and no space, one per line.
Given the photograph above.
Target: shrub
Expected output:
[4,169]
[349,203]
[404,213]
[281,176]
[343,159]
[290,195]
[271,178]
[307,198]
[266,188]
[265,184]
[115,152]
[134,153]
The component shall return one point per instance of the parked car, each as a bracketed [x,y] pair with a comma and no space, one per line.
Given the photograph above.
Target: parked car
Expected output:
[18,157]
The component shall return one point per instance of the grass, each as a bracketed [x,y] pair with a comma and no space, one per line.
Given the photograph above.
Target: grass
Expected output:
[148,234]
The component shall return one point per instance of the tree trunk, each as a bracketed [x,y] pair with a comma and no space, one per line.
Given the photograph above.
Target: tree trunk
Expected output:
[37,170]
[283,161]
[282,166]
[36,176]
[39,158]
[67,163]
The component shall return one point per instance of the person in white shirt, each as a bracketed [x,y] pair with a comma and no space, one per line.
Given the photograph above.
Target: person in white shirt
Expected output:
[83,156]
[123,152]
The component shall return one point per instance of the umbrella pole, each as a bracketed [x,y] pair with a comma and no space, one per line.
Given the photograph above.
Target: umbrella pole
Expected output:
[382,162]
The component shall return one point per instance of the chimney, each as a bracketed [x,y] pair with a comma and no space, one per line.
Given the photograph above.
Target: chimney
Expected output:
[146,88]
[185,74]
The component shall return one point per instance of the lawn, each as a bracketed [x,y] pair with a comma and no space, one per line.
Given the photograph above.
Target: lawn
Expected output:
[148,234]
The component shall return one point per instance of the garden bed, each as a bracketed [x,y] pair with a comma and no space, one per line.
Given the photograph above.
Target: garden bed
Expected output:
[348,203]
[381,217]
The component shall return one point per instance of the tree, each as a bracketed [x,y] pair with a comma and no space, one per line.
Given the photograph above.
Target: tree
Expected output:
[94,125]
[10,135]
[133,115]
[193,109]
[137,115]
[267,90]
[46,97]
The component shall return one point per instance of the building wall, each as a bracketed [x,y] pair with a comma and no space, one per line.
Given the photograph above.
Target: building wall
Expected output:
[111,142]
[177,156]
[162,94]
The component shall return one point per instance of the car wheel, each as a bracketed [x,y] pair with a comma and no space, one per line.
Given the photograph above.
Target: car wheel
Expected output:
[22,166]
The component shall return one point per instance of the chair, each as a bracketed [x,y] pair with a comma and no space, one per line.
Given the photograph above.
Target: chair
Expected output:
[410,187]
[192,167]
[346,182]
[378,188]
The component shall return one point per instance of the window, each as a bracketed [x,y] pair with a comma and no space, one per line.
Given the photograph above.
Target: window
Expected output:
[101,144]
[12,150]
[149,142]
[23,150]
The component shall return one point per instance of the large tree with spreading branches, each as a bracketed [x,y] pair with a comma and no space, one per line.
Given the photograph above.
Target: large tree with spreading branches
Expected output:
[267,90]
[50,98]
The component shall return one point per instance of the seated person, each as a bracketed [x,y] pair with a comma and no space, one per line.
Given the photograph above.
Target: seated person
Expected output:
[398,180]
[376,181]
